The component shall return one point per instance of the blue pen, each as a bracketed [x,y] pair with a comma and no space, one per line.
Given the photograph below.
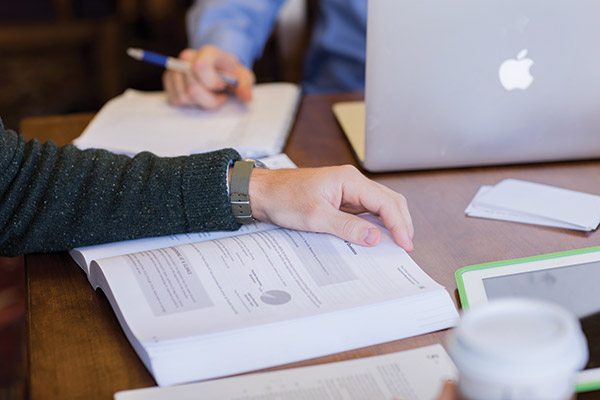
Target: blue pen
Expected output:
[171,63]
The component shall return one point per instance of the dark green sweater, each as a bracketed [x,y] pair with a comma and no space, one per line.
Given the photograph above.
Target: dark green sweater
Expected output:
[56,198]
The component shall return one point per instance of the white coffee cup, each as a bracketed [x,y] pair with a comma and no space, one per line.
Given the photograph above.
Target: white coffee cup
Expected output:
[517,349]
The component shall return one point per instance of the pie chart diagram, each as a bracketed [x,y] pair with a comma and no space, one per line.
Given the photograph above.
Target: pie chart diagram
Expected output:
[275,297]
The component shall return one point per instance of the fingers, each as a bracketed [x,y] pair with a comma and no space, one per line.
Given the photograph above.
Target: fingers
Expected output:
[326,199]
[393,212]
[448,391]
[391,207]
[206,65]
[199,95]
[210,64]
[245,79]
[353,229]
[183,90]
[360,231]
[203,86]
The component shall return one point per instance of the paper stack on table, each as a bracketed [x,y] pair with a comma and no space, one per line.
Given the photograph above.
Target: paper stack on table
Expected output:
[144,121]
[416,374]
[534,203]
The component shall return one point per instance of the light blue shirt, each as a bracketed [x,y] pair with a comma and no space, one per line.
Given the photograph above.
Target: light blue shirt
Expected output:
[335,61]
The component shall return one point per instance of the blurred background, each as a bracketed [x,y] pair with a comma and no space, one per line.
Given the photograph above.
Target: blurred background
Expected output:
[64,56]
[68,56]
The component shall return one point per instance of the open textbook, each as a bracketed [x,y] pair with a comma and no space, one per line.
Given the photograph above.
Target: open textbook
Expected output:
[416,374]
[224,306]
[144,121]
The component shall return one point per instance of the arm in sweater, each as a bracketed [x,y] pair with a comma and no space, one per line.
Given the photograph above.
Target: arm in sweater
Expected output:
[56,198]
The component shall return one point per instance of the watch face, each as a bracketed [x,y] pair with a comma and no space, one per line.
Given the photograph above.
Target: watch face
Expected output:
[257,163]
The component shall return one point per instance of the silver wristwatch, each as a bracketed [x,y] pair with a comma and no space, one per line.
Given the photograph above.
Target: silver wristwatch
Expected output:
[238,189]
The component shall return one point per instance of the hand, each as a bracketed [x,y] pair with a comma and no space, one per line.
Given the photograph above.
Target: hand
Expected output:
[203,87]
[326,199]
[448,392]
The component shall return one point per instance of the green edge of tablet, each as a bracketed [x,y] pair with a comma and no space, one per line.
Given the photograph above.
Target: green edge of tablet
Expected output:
[581,387]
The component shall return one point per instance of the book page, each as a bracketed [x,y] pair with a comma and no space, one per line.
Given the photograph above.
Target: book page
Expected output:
[144,121]
[83,256]
[255,279]
[416,374]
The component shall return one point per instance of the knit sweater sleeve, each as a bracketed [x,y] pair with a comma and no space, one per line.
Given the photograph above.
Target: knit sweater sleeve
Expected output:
[56,198]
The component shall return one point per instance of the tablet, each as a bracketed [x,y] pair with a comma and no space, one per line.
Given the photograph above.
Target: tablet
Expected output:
[570,278]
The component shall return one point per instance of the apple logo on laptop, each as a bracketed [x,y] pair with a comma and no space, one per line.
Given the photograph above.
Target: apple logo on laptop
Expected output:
[514,72]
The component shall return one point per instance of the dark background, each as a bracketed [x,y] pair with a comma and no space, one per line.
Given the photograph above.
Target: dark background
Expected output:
[66,56]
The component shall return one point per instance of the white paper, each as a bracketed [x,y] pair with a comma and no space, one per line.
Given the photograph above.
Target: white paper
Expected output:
[534,203]
[144,121]
[416,374]
[83,256]
[278,161]
[476,210]
[255,279]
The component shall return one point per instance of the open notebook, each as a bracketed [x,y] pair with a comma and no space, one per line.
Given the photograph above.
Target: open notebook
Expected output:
[144,121]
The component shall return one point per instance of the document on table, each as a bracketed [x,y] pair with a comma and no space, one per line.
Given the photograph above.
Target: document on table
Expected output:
[138,121]
[416,374]
[225,306]
[534,203]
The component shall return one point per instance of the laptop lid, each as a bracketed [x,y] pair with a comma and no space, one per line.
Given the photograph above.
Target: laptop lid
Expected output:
[466,83]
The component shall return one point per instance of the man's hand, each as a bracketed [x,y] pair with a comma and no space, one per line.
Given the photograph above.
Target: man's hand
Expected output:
[326,200]
[448,392]
[203,87]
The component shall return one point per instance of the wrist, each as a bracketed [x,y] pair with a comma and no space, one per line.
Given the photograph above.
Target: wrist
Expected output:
[239,189]
[258,192]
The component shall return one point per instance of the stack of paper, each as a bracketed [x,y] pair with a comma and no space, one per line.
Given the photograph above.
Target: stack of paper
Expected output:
[535,203]
[416,374]
[144,121]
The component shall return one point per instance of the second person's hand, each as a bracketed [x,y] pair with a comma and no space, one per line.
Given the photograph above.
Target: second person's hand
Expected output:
[203,86]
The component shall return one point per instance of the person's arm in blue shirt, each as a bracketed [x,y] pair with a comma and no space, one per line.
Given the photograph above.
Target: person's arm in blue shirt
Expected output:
[226,36]
[238,27]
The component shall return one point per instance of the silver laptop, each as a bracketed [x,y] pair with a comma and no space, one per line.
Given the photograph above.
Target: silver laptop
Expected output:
[471,82]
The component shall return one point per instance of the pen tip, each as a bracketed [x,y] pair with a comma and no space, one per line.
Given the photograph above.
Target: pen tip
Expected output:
[135,53]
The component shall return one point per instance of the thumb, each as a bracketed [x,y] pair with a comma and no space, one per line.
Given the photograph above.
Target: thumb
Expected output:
[352,228]
[187,54]
[227,64]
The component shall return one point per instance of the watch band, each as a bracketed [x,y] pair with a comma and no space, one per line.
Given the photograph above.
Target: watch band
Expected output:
[239,196]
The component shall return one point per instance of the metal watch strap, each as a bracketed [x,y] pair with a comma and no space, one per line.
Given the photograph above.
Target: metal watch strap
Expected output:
[239,189]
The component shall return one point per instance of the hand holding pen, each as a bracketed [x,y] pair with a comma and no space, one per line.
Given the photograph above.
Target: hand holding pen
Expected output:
[201,77]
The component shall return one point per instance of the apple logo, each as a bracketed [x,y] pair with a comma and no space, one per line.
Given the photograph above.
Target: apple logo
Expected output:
[514,73]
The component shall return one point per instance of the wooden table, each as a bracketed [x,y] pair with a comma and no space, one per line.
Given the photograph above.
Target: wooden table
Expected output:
[77,349]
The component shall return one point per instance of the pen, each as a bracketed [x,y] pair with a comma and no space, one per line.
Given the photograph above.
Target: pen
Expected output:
[171,63]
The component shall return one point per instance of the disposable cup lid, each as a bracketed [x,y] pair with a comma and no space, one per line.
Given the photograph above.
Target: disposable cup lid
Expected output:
[518,339]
